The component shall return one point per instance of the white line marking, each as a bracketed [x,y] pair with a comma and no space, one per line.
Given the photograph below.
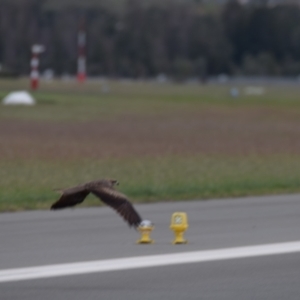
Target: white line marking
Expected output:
[48,271]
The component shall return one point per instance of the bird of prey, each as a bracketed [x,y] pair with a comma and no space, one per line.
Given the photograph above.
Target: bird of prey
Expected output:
[103,189]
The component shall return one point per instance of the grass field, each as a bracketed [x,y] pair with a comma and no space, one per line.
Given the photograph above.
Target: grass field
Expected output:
[163,142]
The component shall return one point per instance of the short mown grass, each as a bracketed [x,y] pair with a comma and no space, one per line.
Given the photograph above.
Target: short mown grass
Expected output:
[32,184]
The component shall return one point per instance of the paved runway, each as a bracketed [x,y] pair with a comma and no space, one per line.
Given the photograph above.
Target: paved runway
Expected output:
[82,235]
[267,278]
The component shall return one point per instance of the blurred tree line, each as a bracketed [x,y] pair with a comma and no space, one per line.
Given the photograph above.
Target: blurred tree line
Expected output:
[181,39]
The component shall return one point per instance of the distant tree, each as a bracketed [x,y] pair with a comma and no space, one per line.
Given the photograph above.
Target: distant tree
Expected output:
[235,18]
[145,38]
[263,64]
[182,69]
[200,68]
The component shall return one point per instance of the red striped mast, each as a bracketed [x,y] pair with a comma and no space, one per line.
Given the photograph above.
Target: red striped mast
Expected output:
[34,64]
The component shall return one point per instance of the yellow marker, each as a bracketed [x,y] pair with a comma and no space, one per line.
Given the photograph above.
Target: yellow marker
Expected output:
[179,224]
[145,229]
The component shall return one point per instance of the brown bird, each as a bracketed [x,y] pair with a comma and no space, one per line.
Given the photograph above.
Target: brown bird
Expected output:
[103,189]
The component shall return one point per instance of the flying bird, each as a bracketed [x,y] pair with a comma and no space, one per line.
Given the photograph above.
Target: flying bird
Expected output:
[104,190]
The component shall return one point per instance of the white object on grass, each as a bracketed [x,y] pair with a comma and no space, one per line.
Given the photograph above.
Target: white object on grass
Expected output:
[18,98]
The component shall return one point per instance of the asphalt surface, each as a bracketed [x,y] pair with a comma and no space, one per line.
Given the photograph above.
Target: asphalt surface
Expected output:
[267,278]
[47,237]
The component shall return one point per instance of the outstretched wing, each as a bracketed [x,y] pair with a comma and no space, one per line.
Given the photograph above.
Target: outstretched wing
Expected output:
[118,202]
[70,197]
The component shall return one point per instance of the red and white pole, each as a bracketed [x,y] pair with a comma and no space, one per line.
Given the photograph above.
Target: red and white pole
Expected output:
[34,63]
[81,62]
[34,74]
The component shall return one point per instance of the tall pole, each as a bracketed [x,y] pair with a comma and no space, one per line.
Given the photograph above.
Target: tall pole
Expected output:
[34,64]
[81,61]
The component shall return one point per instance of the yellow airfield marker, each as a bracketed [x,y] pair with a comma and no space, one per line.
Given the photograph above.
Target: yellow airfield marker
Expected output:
[179,224]
[145,229]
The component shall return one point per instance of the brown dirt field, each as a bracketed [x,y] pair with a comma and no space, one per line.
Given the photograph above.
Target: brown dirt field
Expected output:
[236,131]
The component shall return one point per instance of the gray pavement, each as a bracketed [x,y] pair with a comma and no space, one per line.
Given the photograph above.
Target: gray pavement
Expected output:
[84,234]
[267,278]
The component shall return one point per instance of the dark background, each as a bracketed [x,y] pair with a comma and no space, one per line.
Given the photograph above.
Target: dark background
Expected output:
[141,39]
